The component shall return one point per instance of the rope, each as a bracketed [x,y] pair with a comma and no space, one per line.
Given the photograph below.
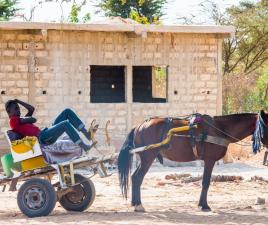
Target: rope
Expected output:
[243,143]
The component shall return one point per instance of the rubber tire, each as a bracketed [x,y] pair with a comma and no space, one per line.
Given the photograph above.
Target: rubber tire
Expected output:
[50,196]
[88,188]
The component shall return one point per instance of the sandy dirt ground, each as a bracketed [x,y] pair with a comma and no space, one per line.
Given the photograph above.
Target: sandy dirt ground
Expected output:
[166,201]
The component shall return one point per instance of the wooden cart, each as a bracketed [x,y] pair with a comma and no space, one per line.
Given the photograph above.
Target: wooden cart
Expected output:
[41,189]
[45,184]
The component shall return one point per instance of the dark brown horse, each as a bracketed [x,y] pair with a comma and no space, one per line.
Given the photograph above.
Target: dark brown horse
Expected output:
[227,129]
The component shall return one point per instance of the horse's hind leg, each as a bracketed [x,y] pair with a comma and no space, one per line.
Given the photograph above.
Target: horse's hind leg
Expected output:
[137,178]
[209,164]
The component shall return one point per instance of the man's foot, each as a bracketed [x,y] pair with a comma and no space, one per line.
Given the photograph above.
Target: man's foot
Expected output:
[87,147]
[86,133]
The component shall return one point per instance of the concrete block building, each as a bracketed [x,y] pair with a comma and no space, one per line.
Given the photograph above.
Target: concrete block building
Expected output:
[122,72]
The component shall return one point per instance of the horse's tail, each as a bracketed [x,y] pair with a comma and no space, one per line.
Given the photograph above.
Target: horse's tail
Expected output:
[124,162]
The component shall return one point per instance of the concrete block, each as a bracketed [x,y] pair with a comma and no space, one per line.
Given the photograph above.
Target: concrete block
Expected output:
[41,54]
[38,38]
[40,69]
[8,83]
[22,83]
[212,55]
[8,37]
[108,55]
[186,98]
[11,45]
[25,37]
[39,45]
[199,84]
[2,76]
[211,70]
[7,68]
[199,98]
[205,77]
[158,55]
[13,76]
[211,97]
[22,68]
[108,40]
[23,53]
[119,120]
[42,99]
[9,53]
[15,91]
[213,48]
[26,45]
[211,84]
[24,75]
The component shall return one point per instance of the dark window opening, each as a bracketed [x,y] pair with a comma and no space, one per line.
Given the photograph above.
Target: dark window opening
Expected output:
[149,84]
[107,84]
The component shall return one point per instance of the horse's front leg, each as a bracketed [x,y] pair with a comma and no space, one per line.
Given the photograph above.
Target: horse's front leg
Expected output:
[137,178]
[209,164]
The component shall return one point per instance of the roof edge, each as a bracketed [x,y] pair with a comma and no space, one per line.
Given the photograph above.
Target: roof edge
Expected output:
[137,28]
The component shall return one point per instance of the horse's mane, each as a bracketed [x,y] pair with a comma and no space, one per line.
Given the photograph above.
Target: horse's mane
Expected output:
[234,116]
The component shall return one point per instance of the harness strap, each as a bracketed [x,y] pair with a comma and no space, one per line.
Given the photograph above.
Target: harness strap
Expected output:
[195,119]
[166,128]
[209,139]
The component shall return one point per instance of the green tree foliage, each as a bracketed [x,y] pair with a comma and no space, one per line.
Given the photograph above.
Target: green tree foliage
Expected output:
[75,10]
[142,11]
[86,18]
[76,7]
[248,51]
[245,54]
[73,17]
[257,98]
[7,9]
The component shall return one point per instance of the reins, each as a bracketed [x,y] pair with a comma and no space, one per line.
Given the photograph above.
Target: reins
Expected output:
[244,143]
[239,142]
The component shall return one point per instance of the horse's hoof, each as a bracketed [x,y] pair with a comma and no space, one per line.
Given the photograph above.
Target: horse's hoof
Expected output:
[139,208]
[205,208]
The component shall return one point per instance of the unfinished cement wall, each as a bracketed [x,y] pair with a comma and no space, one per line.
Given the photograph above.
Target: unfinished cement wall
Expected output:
[53,72]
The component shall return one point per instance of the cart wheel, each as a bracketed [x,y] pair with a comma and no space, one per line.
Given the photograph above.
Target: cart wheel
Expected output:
[36,197]
[82,197]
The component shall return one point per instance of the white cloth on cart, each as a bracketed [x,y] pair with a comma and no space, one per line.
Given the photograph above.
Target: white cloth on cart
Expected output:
[61,151]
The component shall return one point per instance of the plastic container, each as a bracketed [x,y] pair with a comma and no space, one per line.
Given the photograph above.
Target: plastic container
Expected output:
[9,165]
[33,163]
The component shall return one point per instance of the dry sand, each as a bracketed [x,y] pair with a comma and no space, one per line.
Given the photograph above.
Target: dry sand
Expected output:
[166,201]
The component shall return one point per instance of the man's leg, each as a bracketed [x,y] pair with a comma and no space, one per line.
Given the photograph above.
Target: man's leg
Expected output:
[70,115]
[54,132]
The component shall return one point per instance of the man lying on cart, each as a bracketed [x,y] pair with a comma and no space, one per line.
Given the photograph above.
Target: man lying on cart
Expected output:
[57,140]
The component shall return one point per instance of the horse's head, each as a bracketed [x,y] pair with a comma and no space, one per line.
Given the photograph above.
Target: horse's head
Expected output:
[263,117]
[261,132]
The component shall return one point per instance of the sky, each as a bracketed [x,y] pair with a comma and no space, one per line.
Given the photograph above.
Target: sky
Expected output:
[51,12]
